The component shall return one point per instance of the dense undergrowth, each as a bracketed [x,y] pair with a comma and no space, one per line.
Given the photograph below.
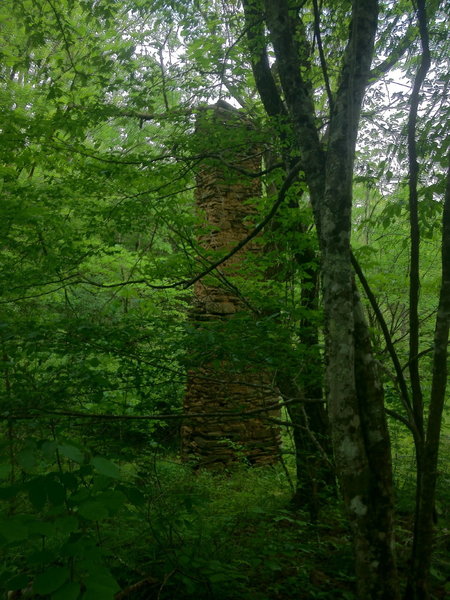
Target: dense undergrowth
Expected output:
[77,525]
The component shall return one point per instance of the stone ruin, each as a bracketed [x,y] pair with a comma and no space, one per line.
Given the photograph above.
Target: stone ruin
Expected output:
[223,196]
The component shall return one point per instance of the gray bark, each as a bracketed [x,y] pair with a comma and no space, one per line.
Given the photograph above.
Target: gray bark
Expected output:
[355,397]
[417,588]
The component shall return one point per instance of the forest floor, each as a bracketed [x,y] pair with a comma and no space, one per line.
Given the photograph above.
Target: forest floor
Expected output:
[236,536]
[157,530]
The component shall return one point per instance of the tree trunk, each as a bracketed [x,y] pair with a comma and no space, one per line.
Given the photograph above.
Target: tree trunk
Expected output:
[379,519]
[314,466]
[417,587]
[355,404]
[311,432]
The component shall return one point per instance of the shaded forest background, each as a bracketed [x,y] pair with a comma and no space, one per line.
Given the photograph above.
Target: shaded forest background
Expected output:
[102,243]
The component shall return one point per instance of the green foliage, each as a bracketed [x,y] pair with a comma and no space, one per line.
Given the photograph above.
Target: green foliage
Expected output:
[53,512]
[97,174]
[208,536]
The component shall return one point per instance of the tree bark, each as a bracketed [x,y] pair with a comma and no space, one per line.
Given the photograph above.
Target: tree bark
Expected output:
[315,469]
[417,587]
[355,397]
[311,432]
[377,525]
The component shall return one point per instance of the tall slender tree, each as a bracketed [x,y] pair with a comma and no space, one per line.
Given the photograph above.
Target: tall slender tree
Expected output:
[355,395]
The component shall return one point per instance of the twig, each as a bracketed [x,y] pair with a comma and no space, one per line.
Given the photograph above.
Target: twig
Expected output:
[323,62]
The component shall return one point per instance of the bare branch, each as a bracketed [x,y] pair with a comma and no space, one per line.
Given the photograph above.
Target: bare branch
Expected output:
[323,62]
[230,414]
[387,336]
[394,56]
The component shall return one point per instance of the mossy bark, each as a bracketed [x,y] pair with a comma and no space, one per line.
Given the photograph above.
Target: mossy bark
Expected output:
[355,398]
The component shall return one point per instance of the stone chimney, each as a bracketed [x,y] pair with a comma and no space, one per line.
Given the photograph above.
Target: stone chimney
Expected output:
[223,196]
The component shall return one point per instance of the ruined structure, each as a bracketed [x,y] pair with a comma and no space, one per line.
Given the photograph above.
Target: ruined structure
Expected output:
[223,196]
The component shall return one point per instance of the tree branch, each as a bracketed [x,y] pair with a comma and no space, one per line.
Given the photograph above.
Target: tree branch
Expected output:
[323,62]
[414,275]
[395,55]
[231,414]
[386,334]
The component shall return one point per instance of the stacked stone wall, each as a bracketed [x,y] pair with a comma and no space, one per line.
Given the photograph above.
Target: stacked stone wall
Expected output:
[223,197]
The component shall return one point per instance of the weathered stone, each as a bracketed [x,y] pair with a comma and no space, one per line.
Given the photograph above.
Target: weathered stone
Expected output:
[224,197]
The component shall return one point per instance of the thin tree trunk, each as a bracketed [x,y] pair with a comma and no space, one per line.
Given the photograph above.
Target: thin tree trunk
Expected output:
[379,522]
[314,453]
[414,275]
[417,588]
[427,447]
[311,431]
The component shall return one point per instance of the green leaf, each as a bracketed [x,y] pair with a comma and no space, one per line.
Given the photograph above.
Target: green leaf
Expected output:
[41,528]
[5,470]
[79,496]
[71,452]
[219,577]
[93,510]
[105,467]
[135,496]
[67,524]
[102,586]
[27,459]
[37,492]
[13,529]
[437,574]
[55,491]
[112,499]
[17,582]
[69,591]
[52,579]
[41,557]
[48,448]
[90,557]
[6,493]
[69,480]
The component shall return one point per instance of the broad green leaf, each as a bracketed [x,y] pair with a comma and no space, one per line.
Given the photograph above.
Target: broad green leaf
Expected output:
[79,496]
[48,448]
[69,591]
[42,556]
[50,580]
[55,491]
[105,467]
[6,493]
[112,499]
[134,495]
[17,582]
[71,452]
[91,557]
[14,529]
[69,480]
[5,470]
[41,528]
[37,492]
[27,459]
[93,510]
[219,577]
[66,524]
[101,586]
